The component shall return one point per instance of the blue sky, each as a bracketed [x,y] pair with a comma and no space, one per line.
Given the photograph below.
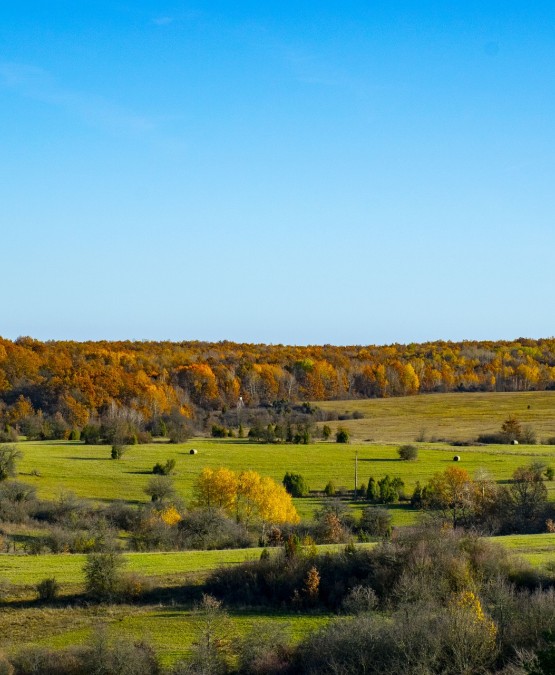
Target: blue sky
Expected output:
[287,172]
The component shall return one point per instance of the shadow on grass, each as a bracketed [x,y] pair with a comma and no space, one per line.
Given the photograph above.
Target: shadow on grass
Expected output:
[379,459]
[91,459]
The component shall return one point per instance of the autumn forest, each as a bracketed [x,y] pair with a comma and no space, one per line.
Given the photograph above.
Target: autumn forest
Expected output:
[74,381]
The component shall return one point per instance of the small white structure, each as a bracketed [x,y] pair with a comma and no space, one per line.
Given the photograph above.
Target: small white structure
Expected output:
[456,458]
[514,442]
[192,451]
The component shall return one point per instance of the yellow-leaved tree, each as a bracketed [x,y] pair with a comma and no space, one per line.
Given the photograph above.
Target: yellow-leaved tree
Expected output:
[248,496]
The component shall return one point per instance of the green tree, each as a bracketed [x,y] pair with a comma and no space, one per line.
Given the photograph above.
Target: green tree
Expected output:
[408,453]
[9,455]
[342,435]
[372,491]
[295,484]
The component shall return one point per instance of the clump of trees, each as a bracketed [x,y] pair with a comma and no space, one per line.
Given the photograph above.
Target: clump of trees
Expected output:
[295,484]
[512,431]
[520,506]
[247,496]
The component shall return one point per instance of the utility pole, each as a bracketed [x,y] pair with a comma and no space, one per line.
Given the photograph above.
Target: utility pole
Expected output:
[356,475]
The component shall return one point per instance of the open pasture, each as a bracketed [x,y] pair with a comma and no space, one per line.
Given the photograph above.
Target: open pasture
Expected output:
[459,416]
[89,472]
[170,629]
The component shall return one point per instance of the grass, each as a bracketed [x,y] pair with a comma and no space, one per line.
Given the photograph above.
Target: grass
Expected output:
[22,570]
[171,630]
[89,472]
[459,416]
[55,467]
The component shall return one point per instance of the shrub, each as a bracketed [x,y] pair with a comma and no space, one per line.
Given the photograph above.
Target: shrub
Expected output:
[408,452]
[295,484]
[330,489]
[91,434]
[550,440]
[133,585]
[219,431]
[265,650]
[342,435]
[48,589]
[75,435]
[491,438]
[164,469]
[8,435]
[103,575]
[159,488]
[548,473]
[326,432]
[9,455]
[376,521]
[528,436]
[211,529]
[118,451]
[360,599]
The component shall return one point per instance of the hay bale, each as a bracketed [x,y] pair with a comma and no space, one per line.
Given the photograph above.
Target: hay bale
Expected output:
[456,458]
[192,451]
[514,442]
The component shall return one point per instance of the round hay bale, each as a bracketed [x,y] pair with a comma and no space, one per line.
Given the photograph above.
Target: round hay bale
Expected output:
[456,458]
[514,442]
[192,451]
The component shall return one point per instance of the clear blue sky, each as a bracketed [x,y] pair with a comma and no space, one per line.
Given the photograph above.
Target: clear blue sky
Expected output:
[298,172]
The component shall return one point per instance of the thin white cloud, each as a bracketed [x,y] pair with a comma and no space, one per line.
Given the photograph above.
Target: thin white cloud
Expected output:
[163,20]
[38,84]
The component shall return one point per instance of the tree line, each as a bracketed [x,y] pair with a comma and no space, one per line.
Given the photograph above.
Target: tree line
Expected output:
[56,388]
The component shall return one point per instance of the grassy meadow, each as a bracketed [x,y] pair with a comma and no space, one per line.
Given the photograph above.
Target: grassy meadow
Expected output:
[88,471]
[456,416]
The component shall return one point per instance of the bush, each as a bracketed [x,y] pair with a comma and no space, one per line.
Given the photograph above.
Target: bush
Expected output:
[48,589]
[360,599]
[211,529]
[265,650]
[219,431]
[91,434]
[118,451]
[164,469]
[326,432]
[103,575]
[330,489]
[9,455]
[491,438]
[342,435]
[159,488]
[295,484]
[528,436]
[408,452]
[376,521]
[8,435]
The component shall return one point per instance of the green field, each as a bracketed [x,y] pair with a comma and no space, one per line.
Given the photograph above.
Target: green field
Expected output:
[57,467]
[459,416]
[89,472]
[171,629]
[173,567]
